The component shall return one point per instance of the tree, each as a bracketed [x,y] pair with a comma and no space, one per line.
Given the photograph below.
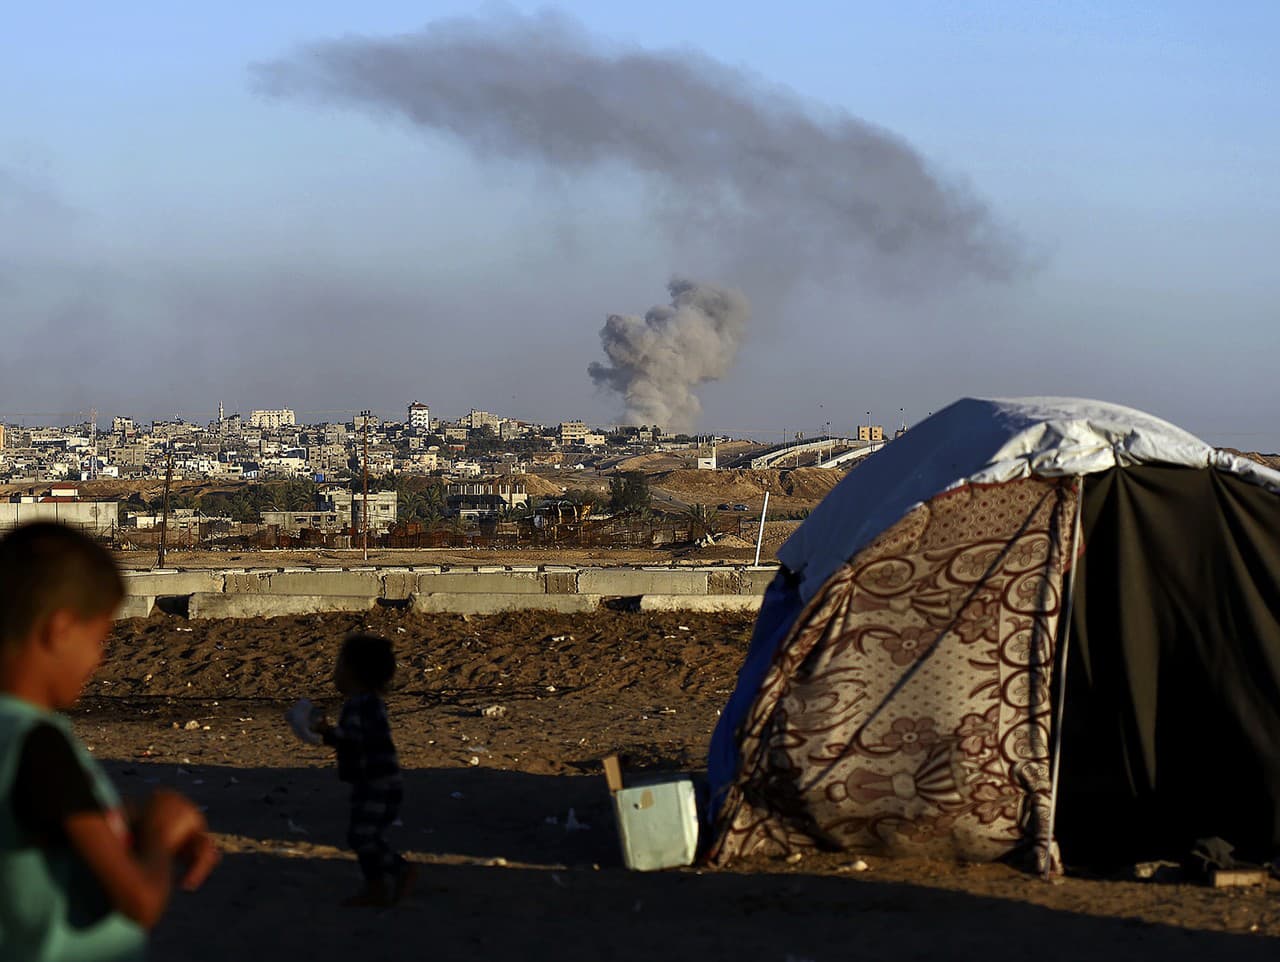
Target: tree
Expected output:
[483,440]
[297,494]
[628,492]
[703,521]
[578,496]
[420,499]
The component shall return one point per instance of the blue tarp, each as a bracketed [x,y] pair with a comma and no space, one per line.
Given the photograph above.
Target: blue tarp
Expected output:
[778,612]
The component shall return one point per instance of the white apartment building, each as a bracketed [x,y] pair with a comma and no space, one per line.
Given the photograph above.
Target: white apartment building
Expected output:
[419,416]
[272,420]
[286,467]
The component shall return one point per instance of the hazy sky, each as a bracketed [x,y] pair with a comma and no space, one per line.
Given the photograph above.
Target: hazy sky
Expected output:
[330,206]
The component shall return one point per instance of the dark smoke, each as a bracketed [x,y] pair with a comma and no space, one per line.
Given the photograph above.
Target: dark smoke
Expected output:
[657,360]
[746,175]
[737,167]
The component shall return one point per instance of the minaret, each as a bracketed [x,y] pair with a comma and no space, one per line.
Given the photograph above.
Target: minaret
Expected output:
[219,414]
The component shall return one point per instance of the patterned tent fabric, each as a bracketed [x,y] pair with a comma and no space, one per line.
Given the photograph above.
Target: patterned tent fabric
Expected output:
[909,709]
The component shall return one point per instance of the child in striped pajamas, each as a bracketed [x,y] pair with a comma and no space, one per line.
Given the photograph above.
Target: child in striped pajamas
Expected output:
[367,762]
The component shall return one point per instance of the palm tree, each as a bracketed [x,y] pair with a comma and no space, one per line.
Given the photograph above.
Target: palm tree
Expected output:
[411,506]
[703,519]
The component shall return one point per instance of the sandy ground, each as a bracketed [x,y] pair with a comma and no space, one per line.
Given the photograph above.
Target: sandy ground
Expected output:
[197,706]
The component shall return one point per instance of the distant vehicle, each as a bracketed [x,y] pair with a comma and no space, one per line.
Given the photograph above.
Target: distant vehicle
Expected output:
[739,507]
[722,507]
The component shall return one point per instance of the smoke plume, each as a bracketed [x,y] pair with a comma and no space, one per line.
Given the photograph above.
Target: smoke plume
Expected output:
[769,188]
[735,166]
[657,360]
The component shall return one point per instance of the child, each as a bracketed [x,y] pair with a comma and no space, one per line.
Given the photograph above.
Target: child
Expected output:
[77,881]
[367,761]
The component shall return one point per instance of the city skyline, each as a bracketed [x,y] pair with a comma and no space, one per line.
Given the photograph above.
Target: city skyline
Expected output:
[825,422]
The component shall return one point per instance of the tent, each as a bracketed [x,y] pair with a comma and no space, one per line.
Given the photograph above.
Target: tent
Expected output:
[1024,622]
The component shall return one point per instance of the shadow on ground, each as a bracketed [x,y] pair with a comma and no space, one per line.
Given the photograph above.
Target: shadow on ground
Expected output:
[276,896]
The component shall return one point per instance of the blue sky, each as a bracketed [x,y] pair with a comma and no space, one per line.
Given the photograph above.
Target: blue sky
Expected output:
[169,238]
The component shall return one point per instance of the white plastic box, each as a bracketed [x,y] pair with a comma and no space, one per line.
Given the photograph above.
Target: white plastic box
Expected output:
[657,824]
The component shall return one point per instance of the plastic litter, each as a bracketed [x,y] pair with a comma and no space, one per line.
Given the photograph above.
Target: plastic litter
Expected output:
[302,718]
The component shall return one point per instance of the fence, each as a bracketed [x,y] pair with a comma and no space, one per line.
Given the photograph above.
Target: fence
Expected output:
[608,533]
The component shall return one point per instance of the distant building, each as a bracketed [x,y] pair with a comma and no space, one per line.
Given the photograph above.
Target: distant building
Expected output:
[291,522]
[121,425]
[482,419]
[348,507]
[338,510]
[512,429]
[1,435]
[870,432]
[129,455]
[272,420]
[179,519]
[419,416]
[326,458]
[424,461]
[287,467]
[95,518]
[484,499]
[572,432]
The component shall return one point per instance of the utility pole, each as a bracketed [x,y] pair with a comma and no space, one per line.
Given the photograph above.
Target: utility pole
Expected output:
[364,507]
[164,515]
[764,513]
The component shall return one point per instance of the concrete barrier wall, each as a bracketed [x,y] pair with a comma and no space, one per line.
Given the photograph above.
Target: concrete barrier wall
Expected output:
[267,592]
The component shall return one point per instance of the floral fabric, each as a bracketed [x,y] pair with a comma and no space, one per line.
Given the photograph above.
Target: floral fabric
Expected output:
[909,710]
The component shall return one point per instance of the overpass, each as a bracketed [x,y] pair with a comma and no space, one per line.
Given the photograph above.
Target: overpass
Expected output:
[853,454]
[773,456]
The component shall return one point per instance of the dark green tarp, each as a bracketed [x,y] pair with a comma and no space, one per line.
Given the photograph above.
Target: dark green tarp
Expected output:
[1172,720]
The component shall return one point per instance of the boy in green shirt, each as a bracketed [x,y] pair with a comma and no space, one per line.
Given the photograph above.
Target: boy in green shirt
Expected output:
[79,881]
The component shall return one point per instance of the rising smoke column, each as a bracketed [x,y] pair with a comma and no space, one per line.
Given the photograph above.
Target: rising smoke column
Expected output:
[657,360]
[782,189]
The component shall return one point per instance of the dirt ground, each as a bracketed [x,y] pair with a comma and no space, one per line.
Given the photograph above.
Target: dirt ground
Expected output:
[197,706]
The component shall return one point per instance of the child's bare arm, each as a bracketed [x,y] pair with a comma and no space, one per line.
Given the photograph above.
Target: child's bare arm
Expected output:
[138,882]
